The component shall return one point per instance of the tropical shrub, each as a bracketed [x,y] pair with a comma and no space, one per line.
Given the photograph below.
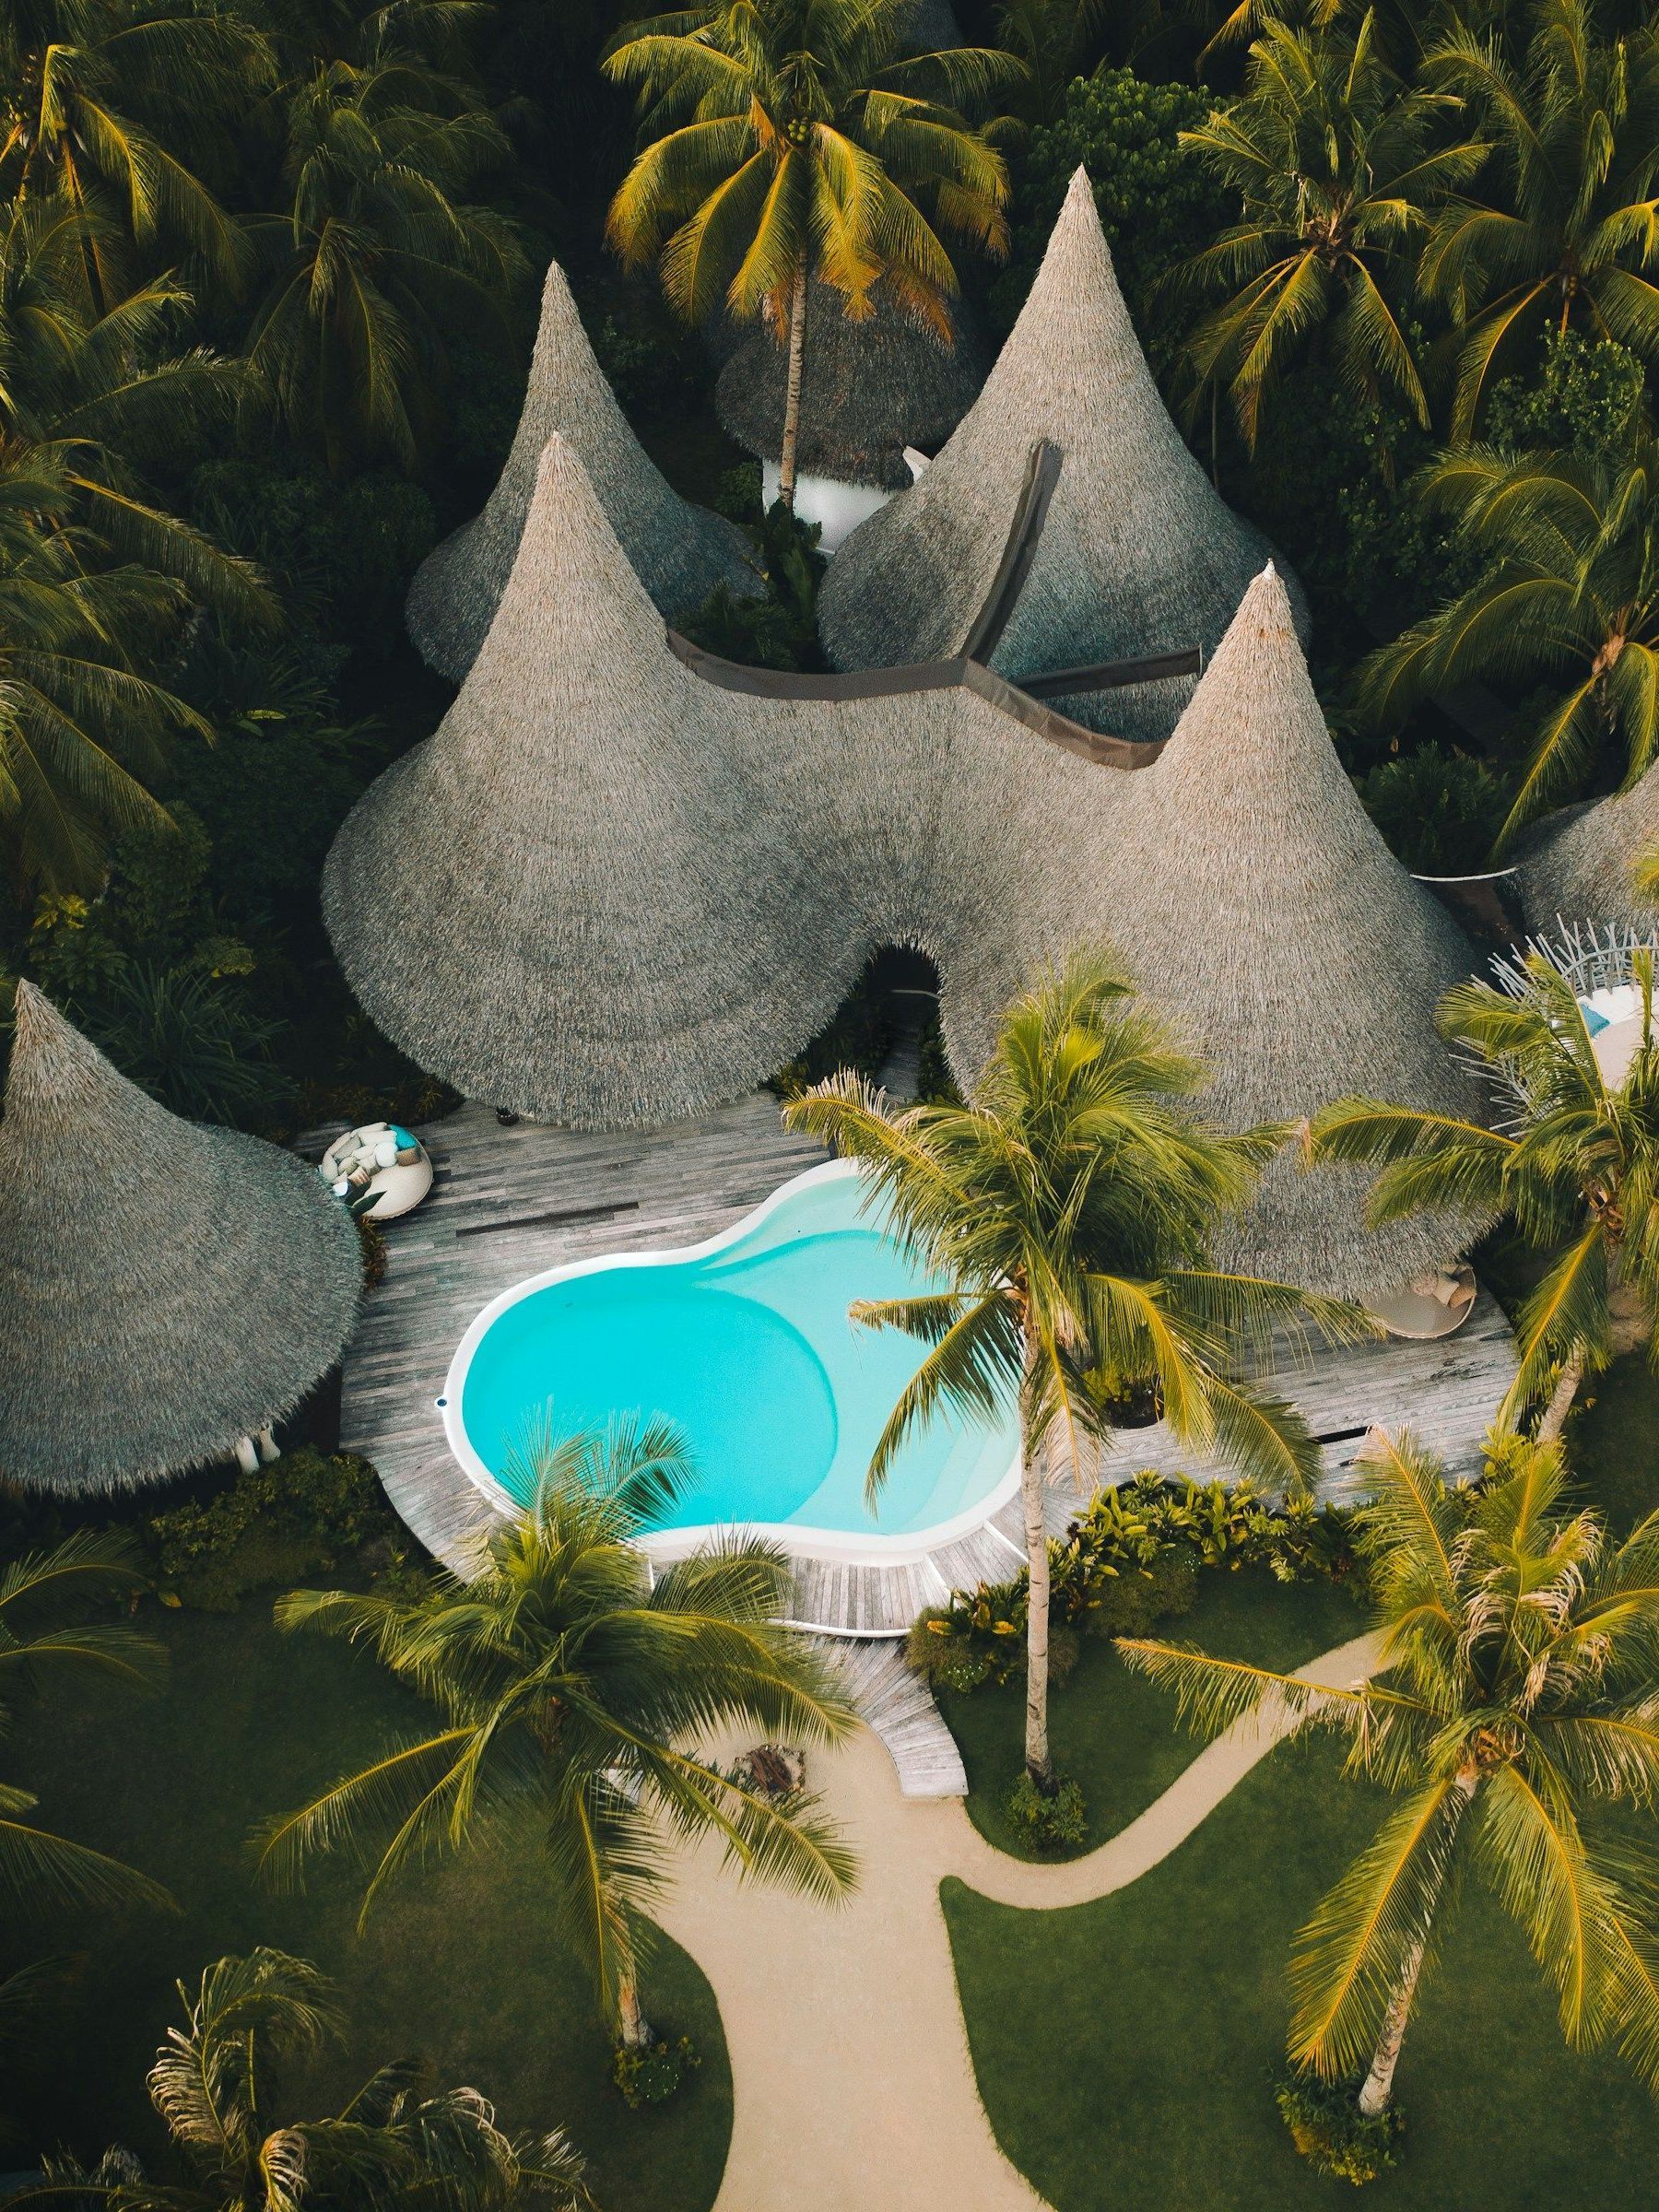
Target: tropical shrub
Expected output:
[778,628]
[1585,398]
[1056,1822]
[1130,1601]
[651,2073]
[1157,208]
[1130,1559]
[979,1636]
[308,1511]
[1333,2134]
[1439,810]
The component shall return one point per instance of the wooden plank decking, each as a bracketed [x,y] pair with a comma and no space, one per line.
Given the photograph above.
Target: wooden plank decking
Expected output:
[508,1202]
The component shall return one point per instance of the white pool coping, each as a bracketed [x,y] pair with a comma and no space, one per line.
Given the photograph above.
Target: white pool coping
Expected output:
[801,1538]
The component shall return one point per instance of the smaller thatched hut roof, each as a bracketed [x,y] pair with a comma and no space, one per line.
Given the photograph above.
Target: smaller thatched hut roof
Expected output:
[679,551]
[868,390]
[1580,864]
[165,1289]
[1256,902]
[1138,554]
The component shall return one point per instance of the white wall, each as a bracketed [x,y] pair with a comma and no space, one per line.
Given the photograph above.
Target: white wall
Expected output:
[838,508]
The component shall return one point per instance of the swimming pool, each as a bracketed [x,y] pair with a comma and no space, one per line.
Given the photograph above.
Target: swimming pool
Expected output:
[744,1341]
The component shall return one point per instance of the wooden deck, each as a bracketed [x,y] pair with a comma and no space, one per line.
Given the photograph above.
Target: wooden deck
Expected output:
[508,1202]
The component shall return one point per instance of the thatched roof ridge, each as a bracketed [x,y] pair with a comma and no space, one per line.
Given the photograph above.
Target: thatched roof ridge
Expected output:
[1256,900]
[165,1289]
[1138,554]
[1580,863]
[679,551]
[868,389]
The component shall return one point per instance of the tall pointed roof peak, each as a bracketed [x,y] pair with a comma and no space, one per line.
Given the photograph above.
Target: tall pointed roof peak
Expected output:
[680,551]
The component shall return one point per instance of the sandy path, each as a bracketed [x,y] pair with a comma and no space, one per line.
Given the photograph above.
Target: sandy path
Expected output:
[854,2089]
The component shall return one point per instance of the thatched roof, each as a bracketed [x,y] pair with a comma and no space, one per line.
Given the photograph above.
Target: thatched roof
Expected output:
[625,880]
[562,900]
[868,390]
[1138,554]
[679,551]
[1579,864]
[1257,901]
[165,1289]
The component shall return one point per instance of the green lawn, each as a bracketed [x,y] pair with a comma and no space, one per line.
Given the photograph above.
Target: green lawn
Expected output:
[1613,1443]
[1112,1730]
[1125,2049]
[462,1965]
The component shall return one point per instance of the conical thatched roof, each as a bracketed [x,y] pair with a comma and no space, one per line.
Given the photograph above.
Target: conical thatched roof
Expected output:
[625,880]
[560,902]
[867,390]
[165,1289]
[1258,903]
[679,551]
[1138,554]
[1580,863]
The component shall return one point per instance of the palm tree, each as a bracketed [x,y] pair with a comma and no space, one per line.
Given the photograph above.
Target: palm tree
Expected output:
[83,730]
[1516,1701]
[1566,596]
[1068,1205]
[103,104]
[1575,1164]
[1335,162]
[807,143]
[98,392]
[1564,232]
[45,1598]
[97,579]
[571,1680]
[216,2084]
[378,257]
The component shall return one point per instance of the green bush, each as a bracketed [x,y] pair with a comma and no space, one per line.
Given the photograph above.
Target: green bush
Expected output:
[1582,400]
[1134,1600]
[1440,811]
[1158,206]
[980,1636]
[1333,2134]
[935,1082]
[1059,1822]
[1130,1559]
[651,2073]
[777,628]
[308,1513]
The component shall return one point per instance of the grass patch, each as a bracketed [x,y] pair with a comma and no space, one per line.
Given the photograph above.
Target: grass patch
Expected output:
[1112,1731]
[461,1964]
[1612,1443]
[1125,2049]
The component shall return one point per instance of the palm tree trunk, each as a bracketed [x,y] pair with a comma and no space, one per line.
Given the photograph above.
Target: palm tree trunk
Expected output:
[1034,1488]
[636,2029]
[1555,1414]
[1378,2083]
[792,397]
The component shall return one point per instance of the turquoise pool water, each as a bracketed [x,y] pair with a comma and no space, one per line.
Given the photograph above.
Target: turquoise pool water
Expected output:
[750,1350]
